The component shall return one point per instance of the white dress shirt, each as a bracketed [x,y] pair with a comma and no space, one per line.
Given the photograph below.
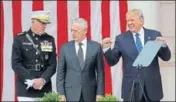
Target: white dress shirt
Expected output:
[141,36]
[84,47]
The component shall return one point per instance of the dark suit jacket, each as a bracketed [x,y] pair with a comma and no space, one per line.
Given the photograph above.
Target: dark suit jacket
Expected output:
[24,55]
[150,76]
[72,80]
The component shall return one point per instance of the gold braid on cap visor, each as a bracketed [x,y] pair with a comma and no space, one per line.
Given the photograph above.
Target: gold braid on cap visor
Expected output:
[43,18]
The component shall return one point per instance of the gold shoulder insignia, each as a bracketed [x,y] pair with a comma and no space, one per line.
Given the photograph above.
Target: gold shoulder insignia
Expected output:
[21,33]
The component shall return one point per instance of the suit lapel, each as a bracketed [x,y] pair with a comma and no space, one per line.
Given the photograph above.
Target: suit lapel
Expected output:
[146,36]
[73,53]
[88,52]
[131,43]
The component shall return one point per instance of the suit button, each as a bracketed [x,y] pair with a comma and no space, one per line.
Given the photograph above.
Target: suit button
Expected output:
[36,60]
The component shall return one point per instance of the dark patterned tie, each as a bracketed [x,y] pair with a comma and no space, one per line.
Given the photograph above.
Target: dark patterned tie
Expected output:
[81,56]
[138,43]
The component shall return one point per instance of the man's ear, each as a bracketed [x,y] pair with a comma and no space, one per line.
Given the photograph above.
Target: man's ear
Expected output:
[142,20]
[85,31]
[32,21]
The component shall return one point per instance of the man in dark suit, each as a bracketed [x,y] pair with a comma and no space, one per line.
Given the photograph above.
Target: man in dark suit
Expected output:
[128,45]
[34,59]
[80,72]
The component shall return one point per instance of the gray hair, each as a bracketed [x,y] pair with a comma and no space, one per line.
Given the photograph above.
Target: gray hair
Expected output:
[81,21]
[137,12]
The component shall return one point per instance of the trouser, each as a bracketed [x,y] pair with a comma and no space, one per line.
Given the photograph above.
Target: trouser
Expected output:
[148,99]
[135,97]
[81,98]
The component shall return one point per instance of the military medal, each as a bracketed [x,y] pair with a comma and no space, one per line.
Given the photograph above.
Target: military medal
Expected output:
[46,46]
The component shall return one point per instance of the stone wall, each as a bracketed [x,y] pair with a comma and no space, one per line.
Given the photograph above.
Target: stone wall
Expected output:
[166,25]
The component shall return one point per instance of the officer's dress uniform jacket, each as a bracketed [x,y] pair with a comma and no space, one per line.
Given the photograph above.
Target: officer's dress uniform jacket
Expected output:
[28,63]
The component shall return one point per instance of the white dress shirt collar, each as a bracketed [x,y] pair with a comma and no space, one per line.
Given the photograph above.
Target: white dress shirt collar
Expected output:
[84,42]
[141,35]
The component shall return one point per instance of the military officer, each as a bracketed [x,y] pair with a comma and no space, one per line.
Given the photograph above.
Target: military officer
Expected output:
[34,59]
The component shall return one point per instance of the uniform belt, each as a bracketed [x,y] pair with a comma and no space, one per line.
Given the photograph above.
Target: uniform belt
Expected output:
[36,67]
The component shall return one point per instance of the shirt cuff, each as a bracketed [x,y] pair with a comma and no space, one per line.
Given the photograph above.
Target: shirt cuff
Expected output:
[164,45]
[44,81]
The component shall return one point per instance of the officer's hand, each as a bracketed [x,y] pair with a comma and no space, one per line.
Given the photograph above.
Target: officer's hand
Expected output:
[63,98]
[38,83]
[106,43]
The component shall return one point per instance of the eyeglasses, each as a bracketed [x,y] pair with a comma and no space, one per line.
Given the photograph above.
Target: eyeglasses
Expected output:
[76,31]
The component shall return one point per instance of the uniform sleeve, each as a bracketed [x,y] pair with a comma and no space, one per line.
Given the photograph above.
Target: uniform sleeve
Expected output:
[17,59]
[51,68]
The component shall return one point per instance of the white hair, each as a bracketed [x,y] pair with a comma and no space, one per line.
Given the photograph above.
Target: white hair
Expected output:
[137,12]
[81,21]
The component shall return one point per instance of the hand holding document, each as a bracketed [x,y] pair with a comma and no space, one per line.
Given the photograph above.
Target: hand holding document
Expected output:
[148,53]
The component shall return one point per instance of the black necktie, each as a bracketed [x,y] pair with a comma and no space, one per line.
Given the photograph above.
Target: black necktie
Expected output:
[81,56]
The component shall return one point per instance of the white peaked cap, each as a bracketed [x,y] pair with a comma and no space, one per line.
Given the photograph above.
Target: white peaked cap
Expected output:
[42,16]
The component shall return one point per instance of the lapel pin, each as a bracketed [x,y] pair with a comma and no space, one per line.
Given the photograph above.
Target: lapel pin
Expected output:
[148,37]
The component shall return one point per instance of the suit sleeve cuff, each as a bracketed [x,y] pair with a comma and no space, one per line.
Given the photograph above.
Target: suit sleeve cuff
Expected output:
[164,45]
